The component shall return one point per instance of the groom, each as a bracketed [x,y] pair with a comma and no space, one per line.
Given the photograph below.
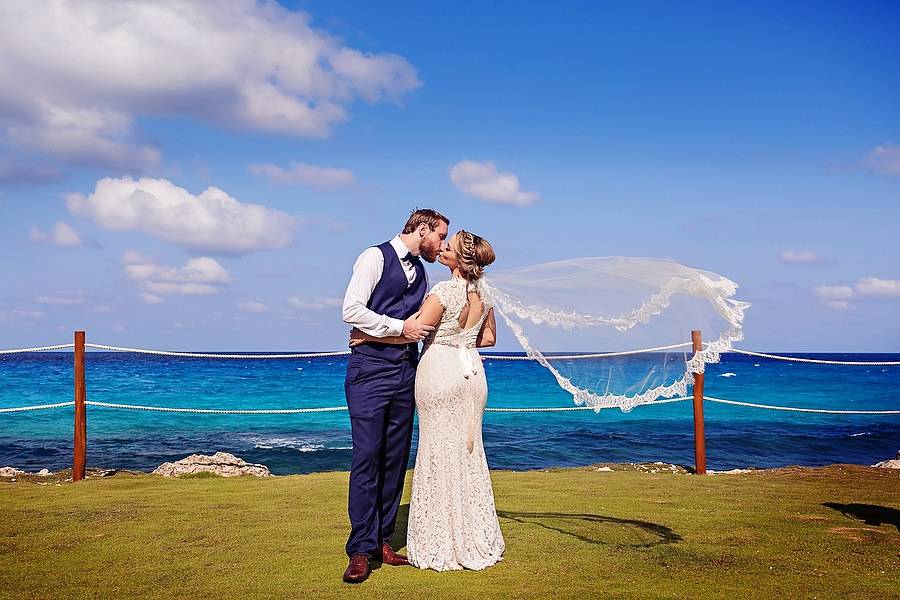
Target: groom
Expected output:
[385,291]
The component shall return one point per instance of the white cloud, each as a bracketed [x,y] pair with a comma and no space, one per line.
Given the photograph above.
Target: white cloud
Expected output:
[12,171]
[62,235]
[133,257]
[885,159]
[150,298]
[182,289]
[323,178]
[835,296]
[834,292]
[118,328]
[102,309]
[201,276]
[244,64]
[839,304]
[61,299]
[251,306]
[197,270]
[874,287]
[315,303]
[20,314]
[802,257]
[86,136]
[211,221]
[839,296]
[482,180]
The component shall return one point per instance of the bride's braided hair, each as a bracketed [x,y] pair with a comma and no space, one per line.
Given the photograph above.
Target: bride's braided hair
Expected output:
[474,252]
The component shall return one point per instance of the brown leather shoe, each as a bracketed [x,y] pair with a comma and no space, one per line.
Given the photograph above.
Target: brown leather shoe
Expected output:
[389,557]
[358,569]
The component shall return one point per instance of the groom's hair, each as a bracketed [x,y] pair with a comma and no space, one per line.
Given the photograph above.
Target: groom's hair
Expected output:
[424,215]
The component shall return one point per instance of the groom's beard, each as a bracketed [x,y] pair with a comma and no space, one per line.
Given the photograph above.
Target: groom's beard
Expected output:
[430,254]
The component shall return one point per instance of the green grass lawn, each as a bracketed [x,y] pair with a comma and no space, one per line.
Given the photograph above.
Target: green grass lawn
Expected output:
[575,533]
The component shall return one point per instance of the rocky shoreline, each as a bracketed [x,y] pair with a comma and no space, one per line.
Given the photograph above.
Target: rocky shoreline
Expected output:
[224,464]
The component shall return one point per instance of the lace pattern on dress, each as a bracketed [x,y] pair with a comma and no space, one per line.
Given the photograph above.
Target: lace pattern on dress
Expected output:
[452,519]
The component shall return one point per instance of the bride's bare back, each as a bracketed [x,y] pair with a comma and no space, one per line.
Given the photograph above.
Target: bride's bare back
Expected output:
[472,311]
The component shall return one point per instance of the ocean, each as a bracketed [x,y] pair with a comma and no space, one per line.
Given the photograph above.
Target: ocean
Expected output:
[736,437]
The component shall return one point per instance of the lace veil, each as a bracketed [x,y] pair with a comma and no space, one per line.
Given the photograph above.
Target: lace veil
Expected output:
[616,331]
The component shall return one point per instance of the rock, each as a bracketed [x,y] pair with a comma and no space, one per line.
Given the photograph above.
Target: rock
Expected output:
[888,464]
[604,469]
[102,472]
[730,472]
[43,473]
[220,463]
[10,472]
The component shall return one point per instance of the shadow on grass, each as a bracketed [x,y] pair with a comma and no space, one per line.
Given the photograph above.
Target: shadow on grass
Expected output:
[398,540]
[870,513]
[586,524]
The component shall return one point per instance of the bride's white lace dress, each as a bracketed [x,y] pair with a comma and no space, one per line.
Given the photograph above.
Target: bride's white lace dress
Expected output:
[452,519]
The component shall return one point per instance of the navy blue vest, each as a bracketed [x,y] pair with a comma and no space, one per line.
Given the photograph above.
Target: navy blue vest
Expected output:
[395,297]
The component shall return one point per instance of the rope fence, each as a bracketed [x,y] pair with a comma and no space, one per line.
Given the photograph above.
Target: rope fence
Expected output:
[109,348]
[581,356]
[698,397]
[38,349]
[819,361]
[803,410]
[215,355]
[220,411]
[509,357]
[36,407]
[539,409]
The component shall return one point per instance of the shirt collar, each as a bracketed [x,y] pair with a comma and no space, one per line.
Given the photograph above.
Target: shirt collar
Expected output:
[399,247]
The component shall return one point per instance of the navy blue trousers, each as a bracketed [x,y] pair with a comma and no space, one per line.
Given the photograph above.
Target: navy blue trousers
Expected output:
[381,398]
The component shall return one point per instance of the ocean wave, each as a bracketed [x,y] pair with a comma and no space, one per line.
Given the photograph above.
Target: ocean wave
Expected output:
[298,444]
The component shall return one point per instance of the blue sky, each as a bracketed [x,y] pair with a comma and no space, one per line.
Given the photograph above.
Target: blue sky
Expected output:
[760,141]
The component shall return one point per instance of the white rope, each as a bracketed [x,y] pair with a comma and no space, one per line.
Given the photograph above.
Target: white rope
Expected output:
[290,411]
[214,355]
[818,361]
[345,352]
[805,410]
[485,356]
[39,349]
[287,411]
[577,356]
[570,408]
[35,407]
[298,410]
[219,411]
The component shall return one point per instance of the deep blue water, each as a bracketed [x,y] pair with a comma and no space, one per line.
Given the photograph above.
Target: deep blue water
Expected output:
[735,436]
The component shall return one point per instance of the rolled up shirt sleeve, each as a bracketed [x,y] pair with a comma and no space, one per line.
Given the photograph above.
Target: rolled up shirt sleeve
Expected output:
[366,273]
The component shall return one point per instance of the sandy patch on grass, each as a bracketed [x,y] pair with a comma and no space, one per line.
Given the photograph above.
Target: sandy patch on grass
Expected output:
[858,534]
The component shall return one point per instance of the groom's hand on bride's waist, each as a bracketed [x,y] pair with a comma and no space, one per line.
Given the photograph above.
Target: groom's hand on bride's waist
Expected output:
[414,331]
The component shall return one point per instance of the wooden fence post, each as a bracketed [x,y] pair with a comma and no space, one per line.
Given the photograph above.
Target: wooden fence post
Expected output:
[699,436]
[80,454]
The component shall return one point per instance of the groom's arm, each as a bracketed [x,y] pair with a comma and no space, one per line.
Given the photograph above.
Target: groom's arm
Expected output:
[366,273]
[426,319]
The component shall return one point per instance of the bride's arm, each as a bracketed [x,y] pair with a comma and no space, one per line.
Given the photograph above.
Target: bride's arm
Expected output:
[429,314]
[487,336]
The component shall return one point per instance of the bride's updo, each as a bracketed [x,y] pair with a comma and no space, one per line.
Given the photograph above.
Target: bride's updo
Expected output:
[474,254]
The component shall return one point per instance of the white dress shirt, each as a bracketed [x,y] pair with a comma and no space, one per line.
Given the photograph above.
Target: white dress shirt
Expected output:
[366,274]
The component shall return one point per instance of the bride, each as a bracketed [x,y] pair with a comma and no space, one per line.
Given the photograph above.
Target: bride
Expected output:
[452,518]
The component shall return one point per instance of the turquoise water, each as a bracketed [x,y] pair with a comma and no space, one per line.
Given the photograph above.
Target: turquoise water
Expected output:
[735,436]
